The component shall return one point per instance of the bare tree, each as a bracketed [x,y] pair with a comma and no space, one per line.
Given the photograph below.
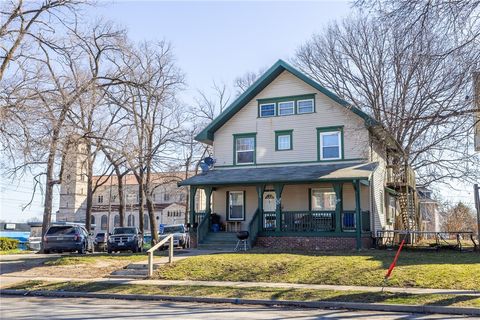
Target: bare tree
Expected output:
[459,218]
[404,79]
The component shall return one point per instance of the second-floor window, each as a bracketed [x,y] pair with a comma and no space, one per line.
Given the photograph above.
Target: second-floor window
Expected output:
[244,149]
[166,197]
[283,140]
[330,142]
[100,199]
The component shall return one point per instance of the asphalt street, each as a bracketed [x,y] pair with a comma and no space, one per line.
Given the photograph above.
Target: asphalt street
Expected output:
[12,307]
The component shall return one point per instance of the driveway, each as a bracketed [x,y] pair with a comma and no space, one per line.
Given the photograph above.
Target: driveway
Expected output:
[65,308]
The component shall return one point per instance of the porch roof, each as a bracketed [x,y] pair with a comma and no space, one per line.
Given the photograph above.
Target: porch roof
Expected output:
[284,174]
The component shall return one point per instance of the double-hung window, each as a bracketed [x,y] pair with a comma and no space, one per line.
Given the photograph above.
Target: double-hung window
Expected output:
[267,110]
[323,199]
[305,106]
[330,144]
[283,140]
[286,108]
[244,149]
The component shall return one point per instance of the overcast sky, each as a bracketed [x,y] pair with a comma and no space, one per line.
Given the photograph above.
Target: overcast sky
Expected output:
[212,41]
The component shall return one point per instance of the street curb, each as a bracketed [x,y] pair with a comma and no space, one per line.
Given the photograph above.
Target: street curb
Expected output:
[303,304]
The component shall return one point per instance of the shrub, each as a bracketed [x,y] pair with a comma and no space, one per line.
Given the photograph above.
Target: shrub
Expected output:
[8,244]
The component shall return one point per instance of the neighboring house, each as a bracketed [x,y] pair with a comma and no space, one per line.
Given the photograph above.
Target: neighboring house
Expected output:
[20,231]
[429,211]
[169,200]
[297,166]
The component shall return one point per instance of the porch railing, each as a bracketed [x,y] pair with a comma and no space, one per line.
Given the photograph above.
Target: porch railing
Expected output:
[254,227]
[199,216]
[307,221]
[202,228]
[349,221]
[312,221]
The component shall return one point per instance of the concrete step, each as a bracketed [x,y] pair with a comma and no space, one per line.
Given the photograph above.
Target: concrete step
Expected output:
[129,273]
[139,266]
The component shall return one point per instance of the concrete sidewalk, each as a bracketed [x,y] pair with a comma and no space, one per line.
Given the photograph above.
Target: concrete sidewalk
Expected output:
[9,280]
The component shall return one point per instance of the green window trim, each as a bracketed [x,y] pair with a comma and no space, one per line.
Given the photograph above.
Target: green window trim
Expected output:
[245,135]
[332,129]
[283,133]
[293,99]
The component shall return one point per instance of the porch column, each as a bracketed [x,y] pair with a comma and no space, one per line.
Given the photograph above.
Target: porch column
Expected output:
[260,190]
[208,195]
[278,205]
[193,192]
[358,214]
[338,187]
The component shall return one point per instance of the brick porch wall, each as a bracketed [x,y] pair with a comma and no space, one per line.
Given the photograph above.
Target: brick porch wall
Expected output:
[312,243]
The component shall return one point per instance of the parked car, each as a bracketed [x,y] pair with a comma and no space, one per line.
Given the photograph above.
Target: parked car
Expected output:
[100,241]
[181,238]
[124,239]
[68,238]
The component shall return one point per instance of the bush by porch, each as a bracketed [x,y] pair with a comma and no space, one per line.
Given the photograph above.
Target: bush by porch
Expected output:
[448,270]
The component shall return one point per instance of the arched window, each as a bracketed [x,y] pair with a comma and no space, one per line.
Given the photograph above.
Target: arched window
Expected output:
[146,222]
[116,221]
[103,222]
[92,219]
[131,220]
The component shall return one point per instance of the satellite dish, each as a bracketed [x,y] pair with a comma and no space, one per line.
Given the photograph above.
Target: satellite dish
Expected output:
[206,164]
[205,167]
[209,161]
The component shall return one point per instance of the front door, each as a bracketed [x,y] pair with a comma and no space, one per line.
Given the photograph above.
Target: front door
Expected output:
[269,202]
[236,205]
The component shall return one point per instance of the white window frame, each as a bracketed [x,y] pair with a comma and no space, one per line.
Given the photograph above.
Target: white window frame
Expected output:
[298,106]
[339,135]
[322,189]
[243,206]
[290,141]
[268,104]
[237,151]
[286,114]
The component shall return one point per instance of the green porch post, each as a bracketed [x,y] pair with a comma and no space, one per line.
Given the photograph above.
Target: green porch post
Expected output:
[278,206]
[208,195]
[260,190]
[358,214]
[193,192]
[338,187]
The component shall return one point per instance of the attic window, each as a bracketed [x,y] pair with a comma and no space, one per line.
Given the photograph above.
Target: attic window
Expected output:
[267,110]
[305,106]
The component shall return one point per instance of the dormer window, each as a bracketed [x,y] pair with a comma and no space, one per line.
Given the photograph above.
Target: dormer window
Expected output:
[267,110]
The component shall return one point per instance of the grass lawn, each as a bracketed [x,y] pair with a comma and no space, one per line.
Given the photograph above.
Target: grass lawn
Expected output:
[257,293]
[443,269]
[15,251]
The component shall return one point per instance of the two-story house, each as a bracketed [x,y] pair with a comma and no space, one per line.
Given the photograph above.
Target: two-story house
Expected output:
[297,167]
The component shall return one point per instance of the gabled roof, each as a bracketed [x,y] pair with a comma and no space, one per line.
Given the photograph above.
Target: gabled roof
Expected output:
[206,135]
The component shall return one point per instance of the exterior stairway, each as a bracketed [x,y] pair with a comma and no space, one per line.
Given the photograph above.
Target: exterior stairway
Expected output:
[132,271]
[221,241]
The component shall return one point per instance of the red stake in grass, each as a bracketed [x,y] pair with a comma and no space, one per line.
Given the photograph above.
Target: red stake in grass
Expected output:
[390,269]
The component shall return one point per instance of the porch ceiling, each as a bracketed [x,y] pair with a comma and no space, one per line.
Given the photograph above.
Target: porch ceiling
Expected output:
[284,174]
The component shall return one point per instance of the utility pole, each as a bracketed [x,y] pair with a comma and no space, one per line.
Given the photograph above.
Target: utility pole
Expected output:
[476,194]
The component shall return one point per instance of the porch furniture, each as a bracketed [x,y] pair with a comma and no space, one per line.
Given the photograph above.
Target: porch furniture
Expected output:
[233,226]
[242,243]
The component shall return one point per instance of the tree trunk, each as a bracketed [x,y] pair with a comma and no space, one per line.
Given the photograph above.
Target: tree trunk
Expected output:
[121,198]
[141,202]
[88,211]
[153,225]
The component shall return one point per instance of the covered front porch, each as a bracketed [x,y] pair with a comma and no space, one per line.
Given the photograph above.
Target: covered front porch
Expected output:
[298,201]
